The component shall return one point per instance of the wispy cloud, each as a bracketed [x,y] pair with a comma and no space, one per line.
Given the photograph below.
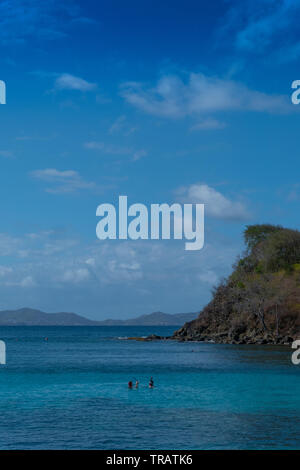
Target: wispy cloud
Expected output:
[9,245]
[22,20]
[76,275]
[112,149]
[68,181]
[117,125]
[216,204]
[67,81]
[6,154]
[200,94]
[257,26]
[139,154]
[267,21]
[121,125]
[294,193]
[208,124]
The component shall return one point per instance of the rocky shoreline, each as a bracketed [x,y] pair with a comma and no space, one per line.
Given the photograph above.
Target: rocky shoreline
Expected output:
[221,338]
[234,337]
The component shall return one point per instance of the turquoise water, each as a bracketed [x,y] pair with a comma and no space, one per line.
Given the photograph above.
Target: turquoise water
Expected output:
[70,392]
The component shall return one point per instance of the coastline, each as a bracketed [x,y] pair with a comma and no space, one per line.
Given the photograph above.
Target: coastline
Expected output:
[285,341]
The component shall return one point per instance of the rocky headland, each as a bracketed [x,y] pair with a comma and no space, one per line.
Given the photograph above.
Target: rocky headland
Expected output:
[259,303]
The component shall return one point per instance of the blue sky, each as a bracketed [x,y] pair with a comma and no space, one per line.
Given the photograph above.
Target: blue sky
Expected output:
[161,101]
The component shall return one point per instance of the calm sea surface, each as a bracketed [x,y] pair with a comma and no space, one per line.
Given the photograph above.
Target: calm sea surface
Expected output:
[70,392]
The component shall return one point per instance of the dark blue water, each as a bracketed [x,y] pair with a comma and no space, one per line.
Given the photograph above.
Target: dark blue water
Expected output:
[70,392]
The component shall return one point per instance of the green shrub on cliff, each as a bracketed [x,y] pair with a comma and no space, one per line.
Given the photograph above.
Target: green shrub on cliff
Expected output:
[270,248]
[255,234]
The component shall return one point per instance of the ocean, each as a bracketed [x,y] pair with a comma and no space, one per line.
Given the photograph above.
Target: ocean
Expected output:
[71,392]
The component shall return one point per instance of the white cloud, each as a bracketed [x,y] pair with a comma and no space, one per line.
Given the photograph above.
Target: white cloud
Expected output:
[107,148]
[128,271]
[51,174]
[4,271]
[67,181]
[90,262]
[58,246]
[76,276]
[12,281]
[139,154]
[208,124]
[209,277]
[117,125]
[121,125]
[67,81]
[9,245]
[112,149]
[216,204]
[6,154]
[27,281]
[200,94]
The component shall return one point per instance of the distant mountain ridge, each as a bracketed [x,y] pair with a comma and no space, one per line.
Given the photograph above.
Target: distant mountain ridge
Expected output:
[155,318]
[32,317]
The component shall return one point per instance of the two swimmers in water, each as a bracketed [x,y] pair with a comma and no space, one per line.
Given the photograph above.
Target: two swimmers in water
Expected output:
[130,384]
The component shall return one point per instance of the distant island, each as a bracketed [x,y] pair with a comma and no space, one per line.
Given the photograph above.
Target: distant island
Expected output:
[32,317]
[155,319]
[259,303]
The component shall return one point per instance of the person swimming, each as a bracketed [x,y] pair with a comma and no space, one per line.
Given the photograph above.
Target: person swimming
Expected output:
[151,382]
[136,384]
[130,384]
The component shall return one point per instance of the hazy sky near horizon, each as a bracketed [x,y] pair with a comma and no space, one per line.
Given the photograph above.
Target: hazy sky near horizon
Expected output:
[160,101]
